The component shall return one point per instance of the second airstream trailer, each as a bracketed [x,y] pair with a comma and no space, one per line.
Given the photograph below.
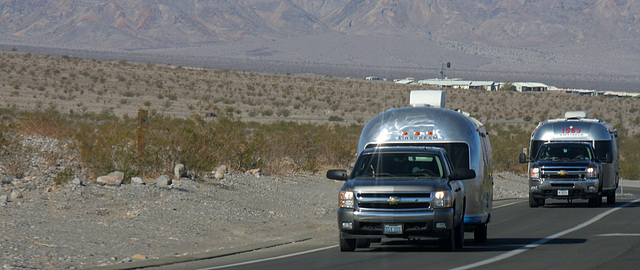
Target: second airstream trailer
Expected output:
[569,175]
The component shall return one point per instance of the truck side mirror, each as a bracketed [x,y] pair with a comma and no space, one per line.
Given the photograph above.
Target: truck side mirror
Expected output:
[337,174]
[522,158]
[462,174]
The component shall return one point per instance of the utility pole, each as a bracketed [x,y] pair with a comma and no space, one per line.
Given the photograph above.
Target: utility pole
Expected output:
[448,64]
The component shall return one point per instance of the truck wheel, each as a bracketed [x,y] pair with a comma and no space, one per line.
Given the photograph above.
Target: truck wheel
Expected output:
[533,203]
[611,198]
[448,242]
[480,233]
[596,201]
[363,243]
[347,244]
[459,238]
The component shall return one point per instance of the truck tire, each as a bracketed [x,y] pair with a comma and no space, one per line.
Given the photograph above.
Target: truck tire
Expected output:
[459,234]
[448,242]
[533,203]
[611,198]
[595,201]
[347,244]
[480,233]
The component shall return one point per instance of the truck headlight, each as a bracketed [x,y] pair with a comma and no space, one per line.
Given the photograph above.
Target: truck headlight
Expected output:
[534,172]
[592,172]
[442,199]
[346,199]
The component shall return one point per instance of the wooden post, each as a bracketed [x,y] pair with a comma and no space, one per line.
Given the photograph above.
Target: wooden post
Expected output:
[142,123]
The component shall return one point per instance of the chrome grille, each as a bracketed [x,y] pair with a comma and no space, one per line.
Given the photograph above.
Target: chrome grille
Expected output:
[564,174]
[390,201]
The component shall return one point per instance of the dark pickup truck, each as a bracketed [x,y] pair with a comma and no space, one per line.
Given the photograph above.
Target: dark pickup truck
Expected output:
[564,170]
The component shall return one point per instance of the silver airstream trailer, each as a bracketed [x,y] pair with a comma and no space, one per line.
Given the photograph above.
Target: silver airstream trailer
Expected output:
[566,178]
[373,207]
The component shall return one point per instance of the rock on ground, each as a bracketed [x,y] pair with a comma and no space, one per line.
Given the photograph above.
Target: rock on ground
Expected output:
[76,226]
[80,224]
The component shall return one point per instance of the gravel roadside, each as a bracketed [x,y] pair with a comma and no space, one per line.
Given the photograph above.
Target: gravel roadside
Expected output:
[80,225]
[77,226]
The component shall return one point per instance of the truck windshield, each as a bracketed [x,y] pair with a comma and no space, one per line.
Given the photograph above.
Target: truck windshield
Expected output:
[565,152]
[399,164]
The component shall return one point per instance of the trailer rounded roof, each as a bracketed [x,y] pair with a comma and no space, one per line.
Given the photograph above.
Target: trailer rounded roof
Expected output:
[573,129]
[415,125]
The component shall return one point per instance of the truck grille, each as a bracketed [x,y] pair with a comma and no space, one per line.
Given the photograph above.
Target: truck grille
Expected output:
[564,174]
[394,201]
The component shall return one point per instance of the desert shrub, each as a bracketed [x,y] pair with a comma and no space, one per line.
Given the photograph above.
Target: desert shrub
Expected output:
[107,143]
[334,118]
[506,144]
[283,112]
[13,155]
[629,156]
[49,123]
[64,176]
[201,145]
[306,147]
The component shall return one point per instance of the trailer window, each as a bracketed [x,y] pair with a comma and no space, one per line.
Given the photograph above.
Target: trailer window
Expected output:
[602,148]
[535,147]
[458,152]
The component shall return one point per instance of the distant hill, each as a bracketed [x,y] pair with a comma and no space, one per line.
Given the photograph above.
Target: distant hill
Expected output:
[581,44]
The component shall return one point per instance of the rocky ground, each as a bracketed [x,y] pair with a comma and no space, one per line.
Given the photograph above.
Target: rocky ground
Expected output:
[81,224]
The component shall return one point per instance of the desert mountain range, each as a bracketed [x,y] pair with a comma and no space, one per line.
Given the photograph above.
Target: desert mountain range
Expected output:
[592,44]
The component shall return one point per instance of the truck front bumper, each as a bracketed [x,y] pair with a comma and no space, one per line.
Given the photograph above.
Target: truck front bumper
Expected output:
[583,189]
[376,224]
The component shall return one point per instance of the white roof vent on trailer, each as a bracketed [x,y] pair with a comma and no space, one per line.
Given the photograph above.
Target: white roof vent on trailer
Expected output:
[575,114]
[422,98]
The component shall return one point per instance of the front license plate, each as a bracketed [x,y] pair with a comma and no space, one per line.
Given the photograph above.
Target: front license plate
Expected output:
[563,192]
[393,229]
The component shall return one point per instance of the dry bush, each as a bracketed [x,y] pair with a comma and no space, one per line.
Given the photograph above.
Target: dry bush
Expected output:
[506,145]
[291,147]
[105,92]
[110,143]
[48,123]
[630,157]
[14,157]
[106,143]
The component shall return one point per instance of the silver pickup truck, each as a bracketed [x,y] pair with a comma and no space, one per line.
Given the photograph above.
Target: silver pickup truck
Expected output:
[404,192]
[421,172]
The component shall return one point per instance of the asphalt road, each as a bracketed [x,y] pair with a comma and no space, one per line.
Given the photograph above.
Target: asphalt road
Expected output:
[557,236]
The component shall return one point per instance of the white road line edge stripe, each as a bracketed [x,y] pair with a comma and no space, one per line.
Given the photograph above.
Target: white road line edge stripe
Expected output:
[544,240]
[469,266]
[619,234]
[505,205]
[271,258]
[304,252]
